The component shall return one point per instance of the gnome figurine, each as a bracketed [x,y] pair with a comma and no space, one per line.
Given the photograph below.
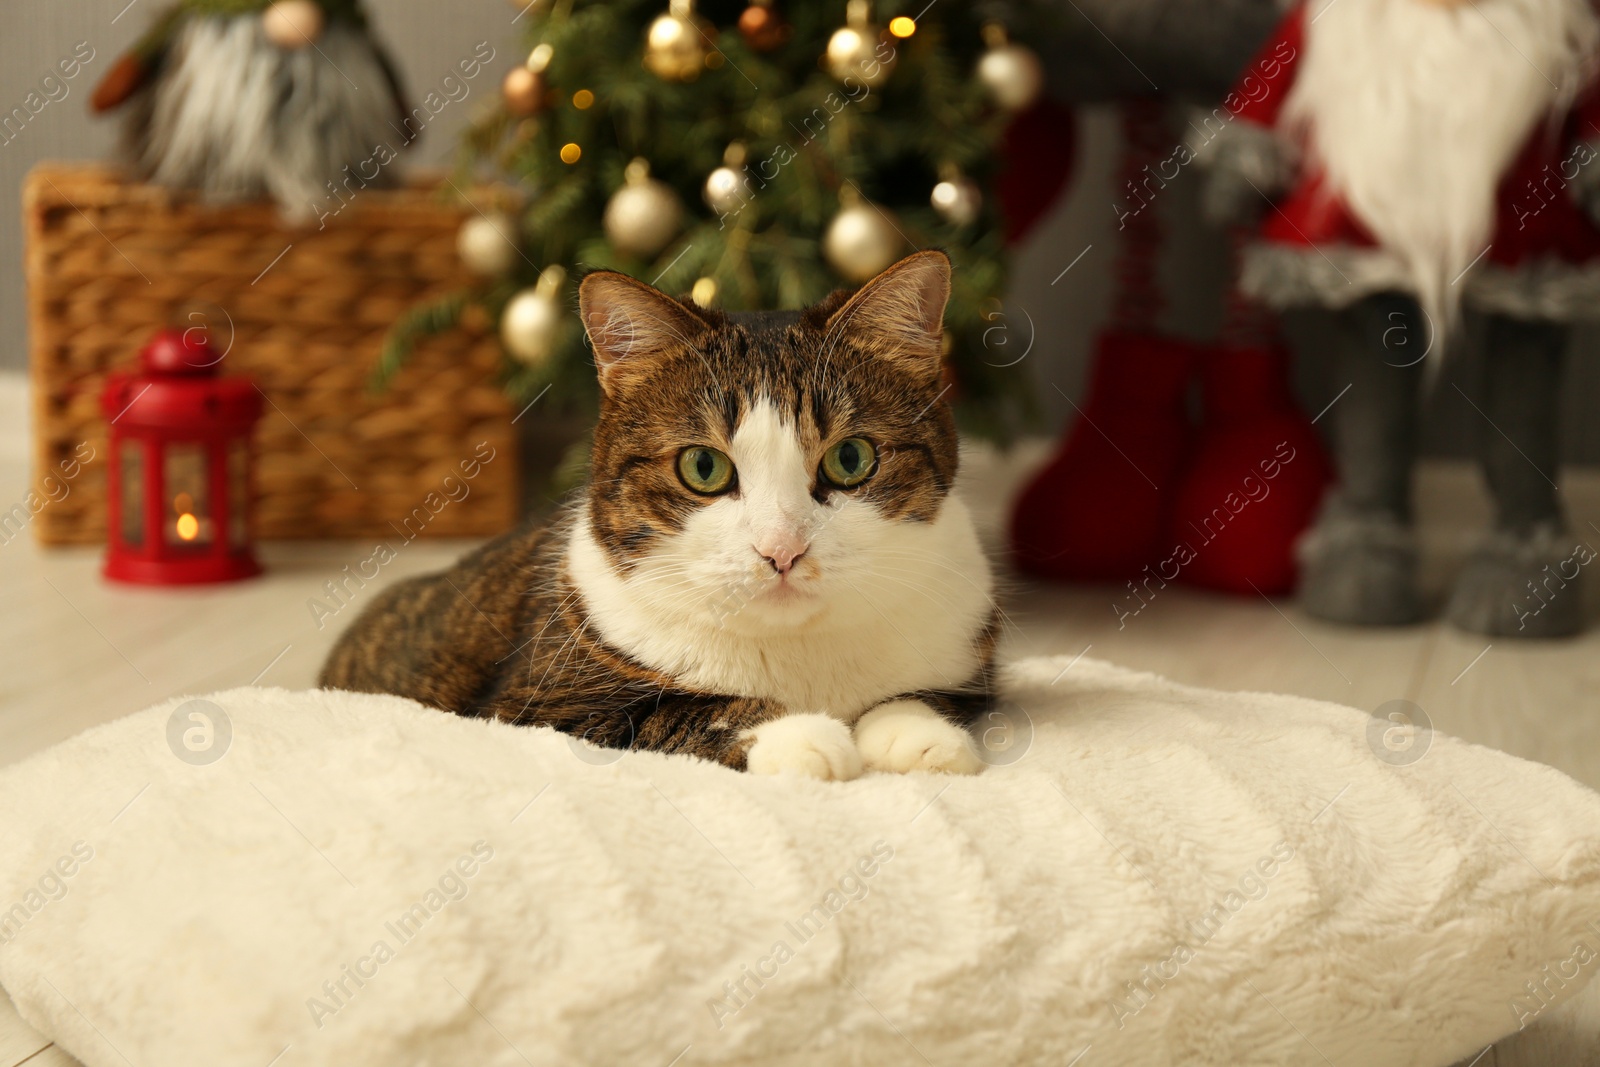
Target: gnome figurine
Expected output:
[240,99]
[1405,160]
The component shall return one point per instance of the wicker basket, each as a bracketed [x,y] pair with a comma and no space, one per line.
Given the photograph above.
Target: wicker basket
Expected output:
[110,261]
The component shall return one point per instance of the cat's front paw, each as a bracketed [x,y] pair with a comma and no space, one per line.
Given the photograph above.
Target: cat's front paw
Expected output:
[817,746]
[907,735]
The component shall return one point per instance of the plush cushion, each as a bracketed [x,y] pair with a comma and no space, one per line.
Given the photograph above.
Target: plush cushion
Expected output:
[1158,874]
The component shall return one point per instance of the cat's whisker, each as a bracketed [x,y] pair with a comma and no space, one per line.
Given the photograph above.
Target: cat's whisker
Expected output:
[654,622]
[959,572]
[951,564]
[938,599]
[554,615]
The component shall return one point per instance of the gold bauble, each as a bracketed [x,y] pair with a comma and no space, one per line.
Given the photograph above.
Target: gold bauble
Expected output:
[644,215]
[861,241]
[704,293]
[675,47]
[1012,74]
[533,320]
[293,23]
[487,243]
[853,48]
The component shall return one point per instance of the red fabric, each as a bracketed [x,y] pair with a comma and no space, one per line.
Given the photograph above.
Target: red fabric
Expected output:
[1535,217]
[1257,475]
[1096,511]
[1038,149]
[1263,88]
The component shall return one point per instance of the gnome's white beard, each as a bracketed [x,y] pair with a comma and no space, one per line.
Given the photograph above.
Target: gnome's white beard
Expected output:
[1415,112]
[238,117]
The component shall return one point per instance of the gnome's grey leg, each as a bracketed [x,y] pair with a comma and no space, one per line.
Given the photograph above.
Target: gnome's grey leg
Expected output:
[1524,581]
[1359,563]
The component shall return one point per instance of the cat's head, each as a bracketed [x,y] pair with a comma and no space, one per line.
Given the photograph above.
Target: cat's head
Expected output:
[761,470]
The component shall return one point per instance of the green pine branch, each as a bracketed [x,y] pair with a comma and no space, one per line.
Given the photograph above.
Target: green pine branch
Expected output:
[806,136]
[420,322]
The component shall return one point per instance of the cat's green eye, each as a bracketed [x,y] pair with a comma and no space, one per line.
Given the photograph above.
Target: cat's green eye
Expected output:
[849,463]
[705,470]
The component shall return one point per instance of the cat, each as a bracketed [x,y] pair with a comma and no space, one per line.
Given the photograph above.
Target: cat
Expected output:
[767,568]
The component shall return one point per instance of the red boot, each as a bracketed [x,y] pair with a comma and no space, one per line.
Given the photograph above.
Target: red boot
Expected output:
[1258,474]
[1096,511]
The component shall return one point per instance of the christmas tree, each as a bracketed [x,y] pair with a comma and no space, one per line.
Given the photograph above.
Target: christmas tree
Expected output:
[755,157]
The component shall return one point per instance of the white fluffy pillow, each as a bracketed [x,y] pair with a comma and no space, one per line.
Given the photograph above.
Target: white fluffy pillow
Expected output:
[1167,876]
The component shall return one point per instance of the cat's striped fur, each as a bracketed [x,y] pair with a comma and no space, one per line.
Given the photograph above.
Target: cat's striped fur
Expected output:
[651,616]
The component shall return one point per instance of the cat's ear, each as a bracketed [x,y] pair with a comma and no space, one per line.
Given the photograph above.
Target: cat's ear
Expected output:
[630,324]
[900,313]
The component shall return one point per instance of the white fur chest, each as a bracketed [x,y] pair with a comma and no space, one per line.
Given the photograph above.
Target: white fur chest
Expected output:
[906,616]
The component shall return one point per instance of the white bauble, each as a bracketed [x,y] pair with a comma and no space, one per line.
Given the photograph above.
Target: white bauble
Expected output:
[1012,74]
[293,23]
[487,243]
[644,215]
[861,242]
[726,190]
[532,322]
[958,200]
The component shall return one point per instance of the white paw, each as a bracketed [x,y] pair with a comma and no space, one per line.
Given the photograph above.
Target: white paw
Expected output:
[817,746]
[907,735]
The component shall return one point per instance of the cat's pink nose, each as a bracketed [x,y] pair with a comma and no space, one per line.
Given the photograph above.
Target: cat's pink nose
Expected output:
[781,551]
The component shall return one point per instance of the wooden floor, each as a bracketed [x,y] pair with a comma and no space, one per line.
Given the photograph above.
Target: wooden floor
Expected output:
[77,652]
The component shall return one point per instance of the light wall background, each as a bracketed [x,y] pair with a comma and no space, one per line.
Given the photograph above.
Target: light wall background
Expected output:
[1058,315]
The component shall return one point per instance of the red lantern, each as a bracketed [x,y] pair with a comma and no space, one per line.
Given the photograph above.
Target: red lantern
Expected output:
[178,506]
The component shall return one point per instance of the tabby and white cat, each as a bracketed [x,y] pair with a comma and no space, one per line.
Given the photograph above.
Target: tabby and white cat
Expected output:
[767,568]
